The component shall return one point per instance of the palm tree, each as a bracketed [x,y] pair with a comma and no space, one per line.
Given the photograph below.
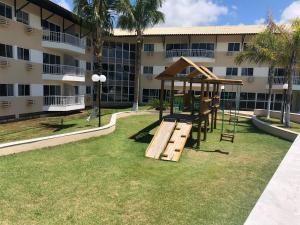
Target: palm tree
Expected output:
[97,16]
[263,49]
[290,39]
[136,17]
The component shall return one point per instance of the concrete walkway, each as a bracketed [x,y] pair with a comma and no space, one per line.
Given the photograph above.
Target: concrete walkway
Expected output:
[280,202]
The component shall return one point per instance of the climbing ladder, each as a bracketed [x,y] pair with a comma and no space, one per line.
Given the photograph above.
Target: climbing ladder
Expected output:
[169,140]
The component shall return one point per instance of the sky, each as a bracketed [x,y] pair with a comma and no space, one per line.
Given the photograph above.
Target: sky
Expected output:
[187,13]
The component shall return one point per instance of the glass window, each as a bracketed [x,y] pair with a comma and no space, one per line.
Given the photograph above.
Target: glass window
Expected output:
[231,71]
[5,10]
[247,71]
[23,54]
[234,47]
[148,69]
[88,66]
[6,90]
[148,47]
[51,59]
[24,90]
[23,17]
[88,90]
[6,51]
[203,46]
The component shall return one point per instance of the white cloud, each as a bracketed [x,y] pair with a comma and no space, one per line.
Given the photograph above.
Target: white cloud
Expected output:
[291,12]
[260,21]
[234,7]
[63,3]
[192,12]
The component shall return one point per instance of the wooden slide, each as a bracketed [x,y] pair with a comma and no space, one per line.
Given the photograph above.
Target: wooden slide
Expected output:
[169,140]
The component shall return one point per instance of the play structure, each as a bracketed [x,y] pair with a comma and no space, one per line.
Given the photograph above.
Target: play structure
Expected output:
[190,109]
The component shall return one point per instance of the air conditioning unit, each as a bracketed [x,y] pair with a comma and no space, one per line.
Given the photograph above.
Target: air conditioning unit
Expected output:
[29,66]
[4,21]
[30,102]
[250,79]
[5,104]
[28,29]
[4,63]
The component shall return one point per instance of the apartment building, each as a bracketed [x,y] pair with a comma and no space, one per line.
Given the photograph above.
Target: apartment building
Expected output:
[45,59]
[214,47]
[46,62]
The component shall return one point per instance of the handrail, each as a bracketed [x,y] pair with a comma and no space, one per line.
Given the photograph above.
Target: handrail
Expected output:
[63,100]
[58,69]
[63,38]
[282,79]
[190,53]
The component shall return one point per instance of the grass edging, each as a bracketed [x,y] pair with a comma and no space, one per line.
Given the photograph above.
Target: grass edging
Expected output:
[54,140]
[274,130]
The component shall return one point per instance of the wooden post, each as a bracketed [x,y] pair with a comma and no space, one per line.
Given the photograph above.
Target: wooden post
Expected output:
[192,97]
[213,108]
[200,117]
[216,111]
[184,87]
[161,100]
[172,98]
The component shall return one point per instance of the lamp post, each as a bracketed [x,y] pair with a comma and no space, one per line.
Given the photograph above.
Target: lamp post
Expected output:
[284,87]
[100,79]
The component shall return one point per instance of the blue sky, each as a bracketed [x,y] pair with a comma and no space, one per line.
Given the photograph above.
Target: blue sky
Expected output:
[222,12]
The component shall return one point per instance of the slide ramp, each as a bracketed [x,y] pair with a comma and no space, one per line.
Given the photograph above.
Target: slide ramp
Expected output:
[160,139]
[177,142]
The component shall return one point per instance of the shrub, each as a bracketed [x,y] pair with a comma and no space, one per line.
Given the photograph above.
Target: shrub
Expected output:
[155,104]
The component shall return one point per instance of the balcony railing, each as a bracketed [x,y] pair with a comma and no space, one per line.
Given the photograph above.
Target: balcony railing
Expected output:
[63,100]
[63,38]
[57,69]
[281,80]
[190,53]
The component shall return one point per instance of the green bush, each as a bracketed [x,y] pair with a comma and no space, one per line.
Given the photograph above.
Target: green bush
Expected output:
[155,104]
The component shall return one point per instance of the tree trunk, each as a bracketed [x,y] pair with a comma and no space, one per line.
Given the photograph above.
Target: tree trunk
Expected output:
[291,73]
[138,65]
[270,80]
[98,48]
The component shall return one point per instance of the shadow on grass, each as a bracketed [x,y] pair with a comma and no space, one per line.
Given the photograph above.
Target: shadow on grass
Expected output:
[144,136]
[57,127]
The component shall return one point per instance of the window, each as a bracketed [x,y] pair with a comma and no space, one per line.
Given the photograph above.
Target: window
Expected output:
[176,46]
[51,59]
[50,26]
[23,17]
[247,71]
[23,54]
[88,66]
[203,46]
[24,90]
[52,90]
[279,72]
[6,90]
[5,11]
[231,71]
[148,47]
[148,70]
[150,94]
[234,47]
[88,90]
[6,51]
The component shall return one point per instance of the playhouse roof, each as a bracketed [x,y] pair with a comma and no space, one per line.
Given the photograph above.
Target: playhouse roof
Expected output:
[200,74]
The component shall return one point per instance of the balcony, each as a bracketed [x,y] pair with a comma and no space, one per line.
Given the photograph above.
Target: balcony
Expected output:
[197,55]
[63,42]
[63,103]
[63,72]
[278,81]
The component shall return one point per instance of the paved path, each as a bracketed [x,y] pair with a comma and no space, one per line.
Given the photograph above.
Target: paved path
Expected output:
[280,202]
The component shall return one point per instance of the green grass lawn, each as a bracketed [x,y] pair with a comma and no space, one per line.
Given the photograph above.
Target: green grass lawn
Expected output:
[276,122]
[107,180]
[52,125]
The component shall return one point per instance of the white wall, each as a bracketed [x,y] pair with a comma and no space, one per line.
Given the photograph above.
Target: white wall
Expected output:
[35,21]
[36,90]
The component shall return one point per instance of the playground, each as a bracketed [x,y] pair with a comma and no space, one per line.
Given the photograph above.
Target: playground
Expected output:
[108,180]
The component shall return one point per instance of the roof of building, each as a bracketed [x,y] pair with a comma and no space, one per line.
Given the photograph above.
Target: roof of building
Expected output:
[204,30]
[56,9]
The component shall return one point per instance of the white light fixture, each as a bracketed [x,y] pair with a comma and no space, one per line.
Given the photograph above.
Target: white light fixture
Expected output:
[97,78]
[222,87]
[285,86]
